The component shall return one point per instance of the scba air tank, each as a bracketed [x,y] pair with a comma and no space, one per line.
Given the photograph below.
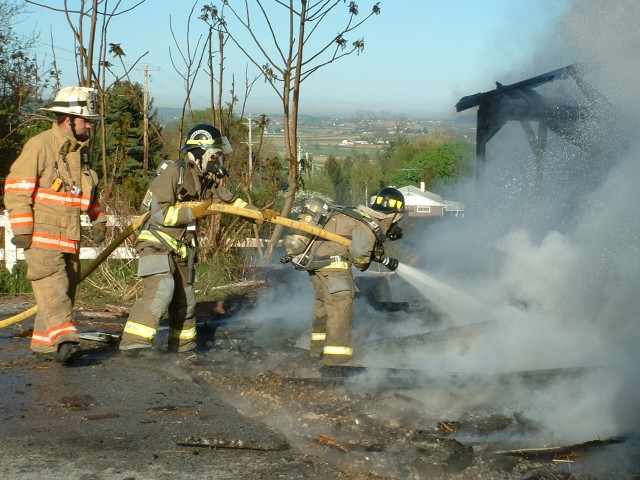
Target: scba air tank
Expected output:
[314,213]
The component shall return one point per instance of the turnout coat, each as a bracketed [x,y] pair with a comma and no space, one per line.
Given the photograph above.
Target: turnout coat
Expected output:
[48,187]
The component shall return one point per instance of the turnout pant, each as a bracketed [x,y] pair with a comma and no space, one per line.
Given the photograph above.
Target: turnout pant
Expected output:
[332,315]
[54,277]
[168,290]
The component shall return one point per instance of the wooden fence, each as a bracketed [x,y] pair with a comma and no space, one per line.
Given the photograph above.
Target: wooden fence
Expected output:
[11,254]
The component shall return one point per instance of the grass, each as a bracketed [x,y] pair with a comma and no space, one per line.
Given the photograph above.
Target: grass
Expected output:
[15,281]
[115,281]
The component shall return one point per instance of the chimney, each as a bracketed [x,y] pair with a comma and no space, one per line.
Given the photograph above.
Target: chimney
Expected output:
[422,186]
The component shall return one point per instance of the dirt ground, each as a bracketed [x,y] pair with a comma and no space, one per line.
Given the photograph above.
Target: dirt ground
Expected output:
[252,403]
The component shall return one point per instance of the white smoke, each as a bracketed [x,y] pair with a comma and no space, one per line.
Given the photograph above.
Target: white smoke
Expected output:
[554,274]
[558,269]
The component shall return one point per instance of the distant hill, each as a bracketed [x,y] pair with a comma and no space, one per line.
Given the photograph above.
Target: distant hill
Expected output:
[171,115]
[168,115]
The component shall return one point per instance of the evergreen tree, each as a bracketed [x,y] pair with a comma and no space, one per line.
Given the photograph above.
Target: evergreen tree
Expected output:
[125,142]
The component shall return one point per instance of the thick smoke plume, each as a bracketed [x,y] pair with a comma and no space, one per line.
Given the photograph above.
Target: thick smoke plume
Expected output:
[557,271]
[552,273]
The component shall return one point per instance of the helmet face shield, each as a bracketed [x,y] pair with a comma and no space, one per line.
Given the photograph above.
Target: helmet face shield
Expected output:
[212,162]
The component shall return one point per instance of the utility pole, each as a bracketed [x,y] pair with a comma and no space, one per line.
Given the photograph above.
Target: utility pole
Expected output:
[306,156]
[145,112]
[299,156]
[250,144]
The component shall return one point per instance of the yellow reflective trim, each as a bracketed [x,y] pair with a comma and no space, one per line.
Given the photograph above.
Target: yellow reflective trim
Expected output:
[337,266]
[240,203]
[148,236]
[318,337]
[200,142]
[188,334]
[171,217]
[329,350]
[140,330]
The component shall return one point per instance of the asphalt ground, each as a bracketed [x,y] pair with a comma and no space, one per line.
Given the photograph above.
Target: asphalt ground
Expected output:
[110,417]
[252,404]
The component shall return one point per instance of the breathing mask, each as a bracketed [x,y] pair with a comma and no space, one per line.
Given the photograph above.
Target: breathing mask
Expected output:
[212,162]
[394,232]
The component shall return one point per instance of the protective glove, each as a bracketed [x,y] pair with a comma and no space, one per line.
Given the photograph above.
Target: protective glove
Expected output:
[269,214]
[200,209]
[99,231]
[378,252]
[390,263]
[22,241]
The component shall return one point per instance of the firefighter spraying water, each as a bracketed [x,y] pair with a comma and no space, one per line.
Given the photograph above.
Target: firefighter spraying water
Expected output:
[328,264]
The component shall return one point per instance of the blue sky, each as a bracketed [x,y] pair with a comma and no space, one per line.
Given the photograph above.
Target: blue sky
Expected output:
[420,57]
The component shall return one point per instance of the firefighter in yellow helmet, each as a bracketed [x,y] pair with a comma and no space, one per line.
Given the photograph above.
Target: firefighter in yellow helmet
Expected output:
[329,265]
[50,184]
[167,242]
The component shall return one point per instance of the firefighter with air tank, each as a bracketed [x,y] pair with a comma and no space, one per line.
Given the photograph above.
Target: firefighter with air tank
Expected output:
[329,264]
[167,241]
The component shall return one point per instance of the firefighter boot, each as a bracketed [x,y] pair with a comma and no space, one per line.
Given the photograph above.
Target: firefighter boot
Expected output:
[175,347]
[143,353]
[68,352]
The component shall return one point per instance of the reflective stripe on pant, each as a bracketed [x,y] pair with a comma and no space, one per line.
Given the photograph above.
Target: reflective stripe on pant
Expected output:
[161,292]
[334,307]
[54,277]
[317,341]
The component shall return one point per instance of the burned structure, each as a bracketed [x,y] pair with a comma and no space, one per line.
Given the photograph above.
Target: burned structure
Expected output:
[573,115]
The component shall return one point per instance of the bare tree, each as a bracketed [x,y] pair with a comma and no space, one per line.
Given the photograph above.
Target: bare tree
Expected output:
[92,15]
[286,62]
[192,58]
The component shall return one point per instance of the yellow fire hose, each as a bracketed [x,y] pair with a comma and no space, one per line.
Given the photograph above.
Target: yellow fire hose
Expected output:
[85,272]
[286,222]
[215,208]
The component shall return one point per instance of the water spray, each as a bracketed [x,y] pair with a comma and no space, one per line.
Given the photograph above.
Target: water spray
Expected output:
[452,302]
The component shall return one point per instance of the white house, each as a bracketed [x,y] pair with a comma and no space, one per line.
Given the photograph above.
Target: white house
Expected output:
[421,203]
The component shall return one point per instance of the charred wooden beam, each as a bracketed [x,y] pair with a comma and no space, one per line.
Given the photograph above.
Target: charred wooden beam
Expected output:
[433,336]
[551,453]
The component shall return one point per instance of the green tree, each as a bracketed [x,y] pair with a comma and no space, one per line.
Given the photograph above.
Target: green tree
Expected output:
[319,184]
[366,177]
[124,140]
[438,163]
[339,178]
[398,155]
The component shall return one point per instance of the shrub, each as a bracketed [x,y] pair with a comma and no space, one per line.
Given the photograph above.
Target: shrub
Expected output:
[15,281]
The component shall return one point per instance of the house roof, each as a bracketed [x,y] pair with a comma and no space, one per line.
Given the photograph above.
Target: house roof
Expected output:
[426,198]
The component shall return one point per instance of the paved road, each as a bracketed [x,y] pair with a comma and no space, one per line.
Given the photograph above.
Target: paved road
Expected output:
[110,417]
